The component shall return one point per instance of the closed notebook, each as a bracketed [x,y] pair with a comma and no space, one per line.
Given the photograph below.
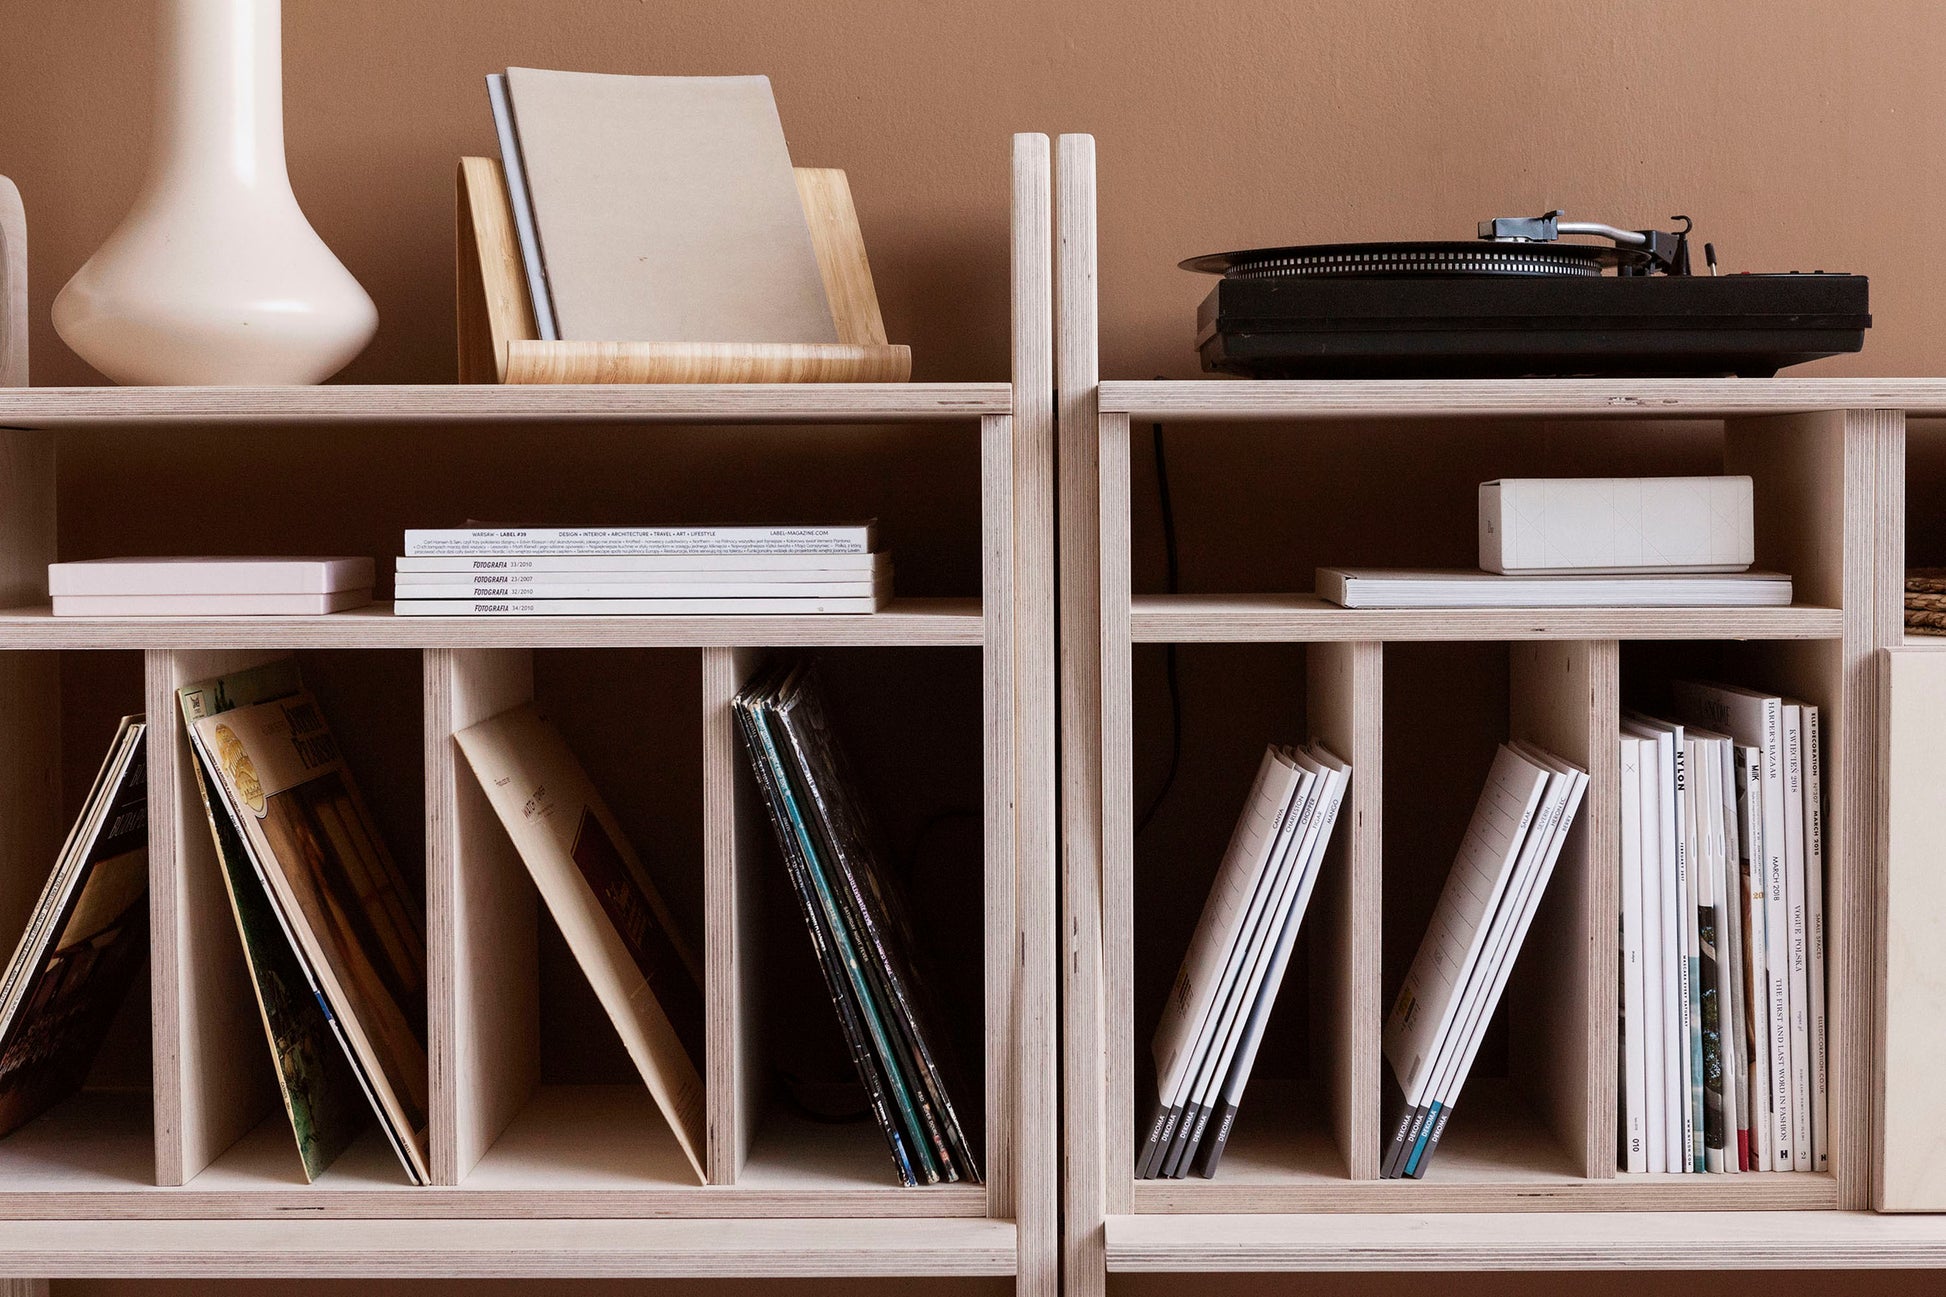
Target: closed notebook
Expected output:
[667,209]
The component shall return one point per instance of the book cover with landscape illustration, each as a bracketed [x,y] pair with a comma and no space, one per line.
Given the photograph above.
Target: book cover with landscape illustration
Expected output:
[320,1091]
[342,901]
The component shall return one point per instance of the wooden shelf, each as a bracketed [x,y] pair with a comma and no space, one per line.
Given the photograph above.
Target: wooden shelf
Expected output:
[551,1249]
[913,622]
[1533,398]
[1280,618]
[1526,1240]
[57,408]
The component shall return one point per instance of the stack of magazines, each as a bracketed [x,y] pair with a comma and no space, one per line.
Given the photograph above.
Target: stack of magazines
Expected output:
[1519,826]
[1207,1041]
[613,571]
[855,914]
[1723,1003]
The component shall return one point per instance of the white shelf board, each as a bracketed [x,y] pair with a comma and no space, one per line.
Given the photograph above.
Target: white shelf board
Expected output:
[64,407]
[1278,618]
[1625,398]
[901,622]
[1526,1240]
[462,1249]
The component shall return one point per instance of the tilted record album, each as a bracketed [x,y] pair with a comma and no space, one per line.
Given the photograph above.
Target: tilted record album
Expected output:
[1518,302]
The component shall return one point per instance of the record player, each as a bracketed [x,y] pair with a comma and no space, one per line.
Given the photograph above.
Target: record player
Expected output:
[1518,301]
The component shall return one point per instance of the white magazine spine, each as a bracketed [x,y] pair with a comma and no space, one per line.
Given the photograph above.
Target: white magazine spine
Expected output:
[1814,908]
[1634,1055]
[1800,991]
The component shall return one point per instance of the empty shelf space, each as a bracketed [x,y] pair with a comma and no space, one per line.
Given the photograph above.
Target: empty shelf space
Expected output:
[550,1249]
[61,407]
[901,622]
[605,1150]
[1525,1240]
[1245,618]
[98,1142]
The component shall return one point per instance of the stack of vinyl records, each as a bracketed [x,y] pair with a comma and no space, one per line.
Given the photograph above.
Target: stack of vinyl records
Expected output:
[855,913]
[623,571]
[1519,826]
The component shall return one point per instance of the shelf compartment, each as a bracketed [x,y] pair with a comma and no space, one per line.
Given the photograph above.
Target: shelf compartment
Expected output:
[58,712]
[1447,709]
[517,1015]
[926,795]
[54,408]
[1270,618]
[903,621]
[214,1080]
[1324,1031]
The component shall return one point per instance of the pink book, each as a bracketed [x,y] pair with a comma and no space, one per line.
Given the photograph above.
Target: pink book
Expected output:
[203,576]
[208,605]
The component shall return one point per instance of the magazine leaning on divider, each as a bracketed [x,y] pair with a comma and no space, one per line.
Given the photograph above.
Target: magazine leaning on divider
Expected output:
[85,943]
[322,1094]
[339,898]
[859,926]
[608,909]
[1432,1037]
[1214,1019]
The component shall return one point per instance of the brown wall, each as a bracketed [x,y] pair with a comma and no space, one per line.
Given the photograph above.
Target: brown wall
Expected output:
[1798,133]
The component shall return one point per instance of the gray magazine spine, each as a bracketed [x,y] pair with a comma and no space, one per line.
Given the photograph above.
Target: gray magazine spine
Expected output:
[523,206]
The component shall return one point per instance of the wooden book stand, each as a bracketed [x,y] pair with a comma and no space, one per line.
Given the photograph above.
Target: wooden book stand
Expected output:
[497,342]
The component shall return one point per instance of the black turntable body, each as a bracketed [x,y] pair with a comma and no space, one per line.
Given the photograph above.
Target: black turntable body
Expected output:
[1517,303]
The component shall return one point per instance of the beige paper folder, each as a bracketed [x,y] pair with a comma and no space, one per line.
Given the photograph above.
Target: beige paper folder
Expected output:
[600,894]
[667,209]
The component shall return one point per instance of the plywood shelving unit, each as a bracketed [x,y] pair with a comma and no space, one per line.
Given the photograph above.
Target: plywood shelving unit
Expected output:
[1415,701]
[187,1170]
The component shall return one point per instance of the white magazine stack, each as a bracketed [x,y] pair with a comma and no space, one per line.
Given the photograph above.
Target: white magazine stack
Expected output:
[619,571]
[1722,938]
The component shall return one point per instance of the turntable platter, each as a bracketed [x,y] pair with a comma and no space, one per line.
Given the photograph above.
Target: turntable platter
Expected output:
[1419,260]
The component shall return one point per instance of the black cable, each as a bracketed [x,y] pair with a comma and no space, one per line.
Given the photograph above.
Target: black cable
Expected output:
[1172,582]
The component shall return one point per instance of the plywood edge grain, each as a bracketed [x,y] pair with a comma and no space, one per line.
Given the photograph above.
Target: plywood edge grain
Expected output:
[1630,398]
[1507,1241]
[549,1249]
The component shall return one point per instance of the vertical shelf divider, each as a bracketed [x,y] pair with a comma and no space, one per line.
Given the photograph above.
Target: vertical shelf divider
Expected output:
[733,833]
[482,981]
[1346,712]
[1817,478]
[213,1079]
[1087,1107]
[1027,588]
[1566,697]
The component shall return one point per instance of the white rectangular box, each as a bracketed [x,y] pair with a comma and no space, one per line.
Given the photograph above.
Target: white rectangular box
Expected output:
[1583,525]
[213,576]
